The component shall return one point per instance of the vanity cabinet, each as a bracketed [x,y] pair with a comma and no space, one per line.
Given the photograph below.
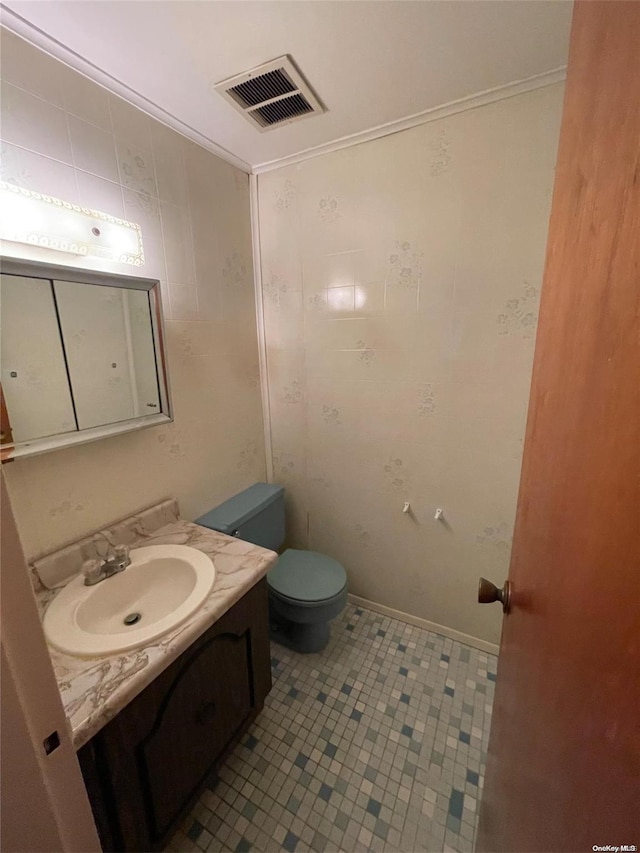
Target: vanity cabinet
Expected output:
[147,766]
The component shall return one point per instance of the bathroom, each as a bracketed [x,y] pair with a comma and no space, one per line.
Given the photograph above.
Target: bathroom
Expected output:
[349,310]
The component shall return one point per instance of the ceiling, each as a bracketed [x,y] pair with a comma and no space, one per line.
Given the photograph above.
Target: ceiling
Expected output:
[372,62]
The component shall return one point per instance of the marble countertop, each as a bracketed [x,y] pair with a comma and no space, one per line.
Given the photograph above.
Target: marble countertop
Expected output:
[93,690]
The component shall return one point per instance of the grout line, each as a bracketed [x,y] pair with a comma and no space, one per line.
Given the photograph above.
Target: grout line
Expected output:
[120,184]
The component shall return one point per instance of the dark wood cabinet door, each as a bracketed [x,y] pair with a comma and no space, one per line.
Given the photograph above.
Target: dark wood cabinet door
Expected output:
[147,766]
[208,701]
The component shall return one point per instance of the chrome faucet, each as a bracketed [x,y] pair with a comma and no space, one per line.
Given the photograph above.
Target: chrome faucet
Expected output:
[117,560]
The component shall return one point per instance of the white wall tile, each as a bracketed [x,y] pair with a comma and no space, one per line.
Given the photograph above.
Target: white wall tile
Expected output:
[93,149]
[407,376]
[169,163]
[214,447]
[38,173]
[83,98]
[184,302]
[34,124]
[178,247]
[135,163]
[129,123]
[103,195]
[34,71]
[144,209]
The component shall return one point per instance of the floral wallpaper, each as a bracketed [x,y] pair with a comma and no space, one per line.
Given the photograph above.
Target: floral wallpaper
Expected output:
[67,137]
[401,286]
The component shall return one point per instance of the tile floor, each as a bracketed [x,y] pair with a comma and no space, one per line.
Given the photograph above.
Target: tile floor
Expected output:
[378,743]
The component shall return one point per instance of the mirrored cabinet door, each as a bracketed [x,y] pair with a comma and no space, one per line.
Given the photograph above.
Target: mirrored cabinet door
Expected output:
[109,346]
[82,357]
[34,374]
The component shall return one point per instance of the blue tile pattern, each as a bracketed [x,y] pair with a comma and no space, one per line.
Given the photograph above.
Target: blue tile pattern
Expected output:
[373,807]
[325,792]
[378,743]
[251,743]
[455,803]
[290,842]
[195,830]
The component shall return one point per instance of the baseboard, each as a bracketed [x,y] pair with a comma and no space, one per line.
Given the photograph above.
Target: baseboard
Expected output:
[474,642]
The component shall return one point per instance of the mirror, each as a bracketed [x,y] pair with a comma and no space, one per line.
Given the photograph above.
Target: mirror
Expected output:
[81,356]
[108,343]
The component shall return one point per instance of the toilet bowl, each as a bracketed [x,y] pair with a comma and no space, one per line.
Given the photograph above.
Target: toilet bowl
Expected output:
[306,589]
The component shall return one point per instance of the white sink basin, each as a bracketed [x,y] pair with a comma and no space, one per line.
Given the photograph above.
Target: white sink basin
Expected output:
[163,586]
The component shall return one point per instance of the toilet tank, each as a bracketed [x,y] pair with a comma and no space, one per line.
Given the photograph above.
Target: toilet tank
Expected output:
[255,515]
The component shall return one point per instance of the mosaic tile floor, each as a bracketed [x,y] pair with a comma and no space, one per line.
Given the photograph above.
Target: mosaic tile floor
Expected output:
[378,743]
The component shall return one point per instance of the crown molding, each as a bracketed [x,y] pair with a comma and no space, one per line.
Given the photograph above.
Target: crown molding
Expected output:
[23,28]
[471,102]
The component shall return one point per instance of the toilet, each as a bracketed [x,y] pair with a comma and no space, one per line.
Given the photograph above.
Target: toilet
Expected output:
[306,589]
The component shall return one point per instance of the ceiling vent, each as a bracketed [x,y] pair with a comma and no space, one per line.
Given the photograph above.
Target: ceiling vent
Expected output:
[271,95]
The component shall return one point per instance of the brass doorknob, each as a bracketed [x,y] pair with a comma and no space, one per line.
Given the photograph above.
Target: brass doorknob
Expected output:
[488,592]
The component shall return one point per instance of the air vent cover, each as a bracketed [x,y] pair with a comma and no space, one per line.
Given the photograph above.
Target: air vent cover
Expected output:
[271,95]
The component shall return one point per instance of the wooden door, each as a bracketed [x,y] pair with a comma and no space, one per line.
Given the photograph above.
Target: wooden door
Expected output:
[563,771]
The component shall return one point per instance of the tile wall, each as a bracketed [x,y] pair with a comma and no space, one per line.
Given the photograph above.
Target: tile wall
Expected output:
[67,137]
[401,280]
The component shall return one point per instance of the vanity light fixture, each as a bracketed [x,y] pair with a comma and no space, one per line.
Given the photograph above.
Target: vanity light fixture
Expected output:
[42,220]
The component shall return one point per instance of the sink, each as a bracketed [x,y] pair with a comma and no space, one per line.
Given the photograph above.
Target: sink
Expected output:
[163,586]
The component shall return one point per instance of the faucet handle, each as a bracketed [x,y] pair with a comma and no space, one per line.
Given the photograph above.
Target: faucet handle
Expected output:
[92,571]
[121,555]
[101,549]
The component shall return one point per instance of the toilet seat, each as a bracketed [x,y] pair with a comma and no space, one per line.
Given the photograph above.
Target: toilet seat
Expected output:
[307,578]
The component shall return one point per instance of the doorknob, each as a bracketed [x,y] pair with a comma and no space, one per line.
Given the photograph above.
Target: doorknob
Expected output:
[489,592]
